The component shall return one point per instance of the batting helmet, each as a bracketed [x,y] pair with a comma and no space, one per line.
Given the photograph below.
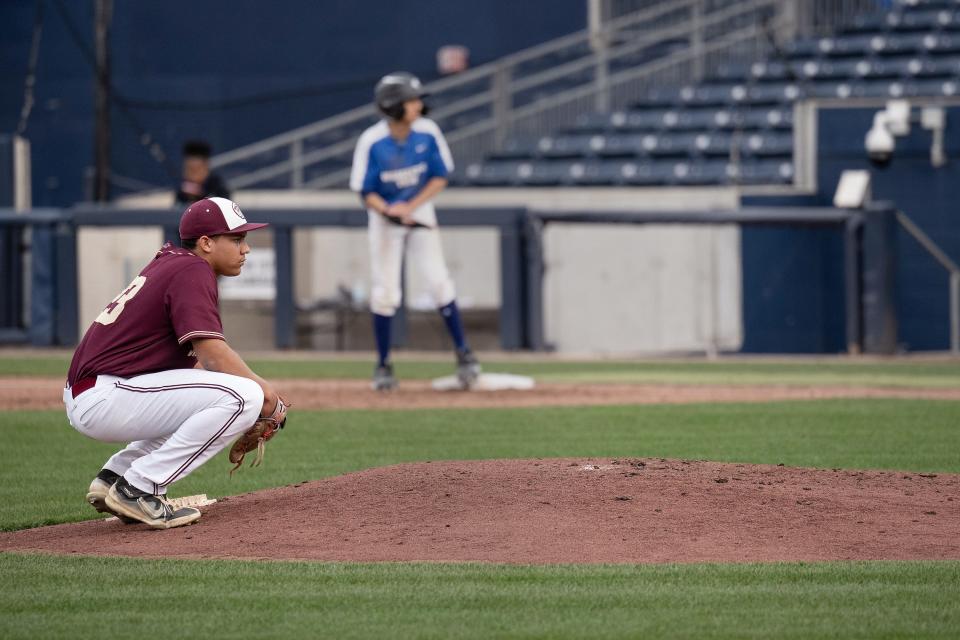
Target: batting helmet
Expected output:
[396,88]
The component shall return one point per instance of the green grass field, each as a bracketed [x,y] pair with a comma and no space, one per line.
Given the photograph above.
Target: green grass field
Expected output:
[48,466]
[44,597]
[894,373]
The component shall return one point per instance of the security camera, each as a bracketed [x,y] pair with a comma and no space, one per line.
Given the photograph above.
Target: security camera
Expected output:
[893,121]
[879,141]
[898,117]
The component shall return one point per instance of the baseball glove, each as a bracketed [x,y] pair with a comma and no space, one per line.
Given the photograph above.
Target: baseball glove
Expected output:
[256,436]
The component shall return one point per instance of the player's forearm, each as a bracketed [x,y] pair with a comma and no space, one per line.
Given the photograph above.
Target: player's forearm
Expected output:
[376,202]
[431,189]
[217,355]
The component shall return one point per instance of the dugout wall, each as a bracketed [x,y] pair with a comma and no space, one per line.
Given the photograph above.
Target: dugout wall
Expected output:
[868,262]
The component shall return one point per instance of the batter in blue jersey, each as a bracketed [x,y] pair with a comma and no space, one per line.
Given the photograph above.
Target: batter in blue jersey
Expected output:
[400,164]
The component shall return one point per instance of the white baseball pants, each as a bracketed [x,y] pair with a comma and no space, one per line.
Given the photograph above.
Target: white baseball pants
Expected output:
[174,420]
[425,253]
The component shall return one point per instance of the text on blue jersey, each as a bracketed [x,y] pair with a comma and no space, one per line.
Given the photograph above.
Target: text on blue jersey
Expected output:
[398,171]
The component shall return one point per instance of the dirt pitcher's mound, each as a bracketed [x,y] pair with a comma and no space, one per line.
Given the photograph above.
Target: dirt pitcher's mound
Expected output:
[549,511]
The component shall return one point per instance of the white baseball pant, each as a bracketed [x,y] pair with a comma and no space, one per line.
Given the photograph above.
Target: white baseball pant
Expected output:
[425,254]
[174,420]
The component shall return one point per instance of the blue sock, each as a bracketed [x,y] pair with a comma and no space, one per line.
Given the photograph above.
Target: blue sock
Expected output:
[381,332]
[451,316]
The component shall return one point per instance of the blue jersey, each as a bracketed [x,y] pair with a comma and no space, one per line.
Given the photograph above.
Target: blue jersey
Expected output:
[397,171]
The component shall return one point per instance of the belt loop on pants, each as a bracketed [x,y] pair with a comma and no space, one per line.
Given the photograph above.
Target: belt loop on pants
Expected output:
[83,384]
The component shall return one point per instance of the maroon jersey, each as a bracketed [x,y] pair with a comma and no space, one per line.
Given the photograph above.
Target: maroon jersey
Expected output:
[149,326]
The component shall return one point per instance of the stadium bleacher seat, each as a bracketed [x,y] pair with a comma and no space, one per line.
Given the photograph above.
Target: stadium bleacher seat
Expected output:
[736,126]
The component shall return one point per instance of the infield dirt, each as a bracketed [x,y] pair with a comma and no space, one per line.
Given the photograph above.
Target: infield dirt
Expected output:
[28,393]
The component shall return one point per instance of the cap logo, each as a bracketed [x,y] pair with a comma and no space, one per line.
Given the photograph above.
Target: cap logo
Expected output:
[230,210]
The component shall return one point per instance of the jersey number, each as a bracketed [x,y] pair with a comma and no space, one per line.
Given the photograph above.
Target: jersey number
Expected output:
[115,308]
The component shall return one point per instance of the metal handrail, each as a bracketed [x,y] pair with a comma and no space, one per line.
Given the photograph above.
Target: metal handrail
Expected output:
[484,71]
[486,98]
[510,64]
[563,42]
[489,124]
[571,95]
[293,135]
[947,263]
[502,82]
[676,58]
[670,33]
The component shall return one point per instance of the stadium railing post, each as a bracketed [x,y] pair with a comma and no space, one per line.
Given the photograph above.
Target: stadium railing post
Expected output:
[879,279]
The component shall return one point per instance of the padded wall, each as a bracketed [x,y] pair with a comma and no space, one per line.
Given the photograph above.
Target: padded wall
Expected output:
[232,71]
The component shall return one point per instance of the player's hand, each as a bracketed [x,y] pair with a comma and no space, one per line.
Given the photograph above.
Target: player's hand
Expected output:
[270,400]
[401,210]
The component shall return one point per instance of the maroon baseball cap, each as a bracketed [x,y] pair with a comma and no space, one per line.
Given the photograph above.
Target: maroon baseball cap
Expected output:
[214,217]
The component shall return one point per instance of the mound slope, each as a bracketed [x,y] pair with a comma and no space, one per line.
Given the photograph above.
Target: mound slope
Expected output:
[556,511]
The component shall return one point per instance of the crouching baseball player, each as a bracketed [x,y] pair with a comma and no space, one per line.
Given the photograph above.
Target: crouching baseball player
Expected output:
[154,370]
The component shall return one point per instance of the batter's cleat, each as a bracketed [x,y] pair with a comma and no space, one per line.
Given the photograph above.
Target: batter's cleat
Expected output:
[124,498]
[468,369]
[383,379]
[97,494]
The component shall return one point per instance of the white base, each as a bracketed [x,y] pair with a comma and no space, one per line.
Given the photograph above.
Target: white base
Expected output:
[486,382]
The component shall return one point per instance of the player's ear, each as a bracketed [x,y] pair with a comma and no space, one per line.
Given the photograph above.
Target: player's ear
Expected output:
[205,244]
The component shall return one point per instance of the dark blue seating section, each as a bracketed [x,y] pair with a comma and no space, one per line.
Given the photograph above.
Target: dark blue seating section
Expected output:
[736,127]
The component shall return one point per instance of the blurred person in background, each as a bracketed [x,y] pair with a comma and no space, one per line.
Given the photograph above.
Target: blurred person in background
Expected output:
[400,164]
[198,181]
[452,58]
